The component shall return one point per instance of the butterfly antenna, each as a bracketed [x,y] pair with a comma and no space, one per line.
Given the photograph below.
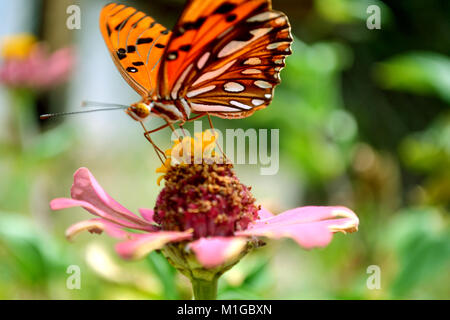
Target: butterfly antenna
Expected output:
[59,114]
[102,104]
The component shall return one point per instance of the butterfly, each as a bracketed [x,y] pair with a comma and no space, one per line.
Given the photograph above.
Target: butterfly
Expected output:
[222,58]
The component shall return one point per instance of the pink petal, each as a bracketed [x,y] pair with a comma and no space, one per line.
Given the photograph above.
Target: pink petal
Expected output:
[309,226]
[264,214]
[95,226]
[215,251]
[64,203]
[147,214]
[143,244]
[310,214]
[87,190]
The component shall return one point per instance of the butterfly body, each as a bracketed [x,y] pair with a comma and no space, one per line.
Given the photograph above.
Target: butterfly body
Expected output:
[222,58]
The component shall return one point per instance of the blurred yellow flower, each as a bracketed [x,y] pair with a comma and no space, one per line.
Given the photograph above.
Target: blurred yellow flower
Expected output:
[17,46]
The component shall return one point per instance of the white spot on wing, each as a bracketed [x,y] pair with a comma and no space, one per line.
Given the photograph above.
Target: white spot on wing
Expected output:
[196,92]
[233,87]
[251,71]
[253,61]
[201,62]
[262,84]
[186,107]
[214,73]
[233,46]
[276,45]
[180,80]
[240,105]
[257,102]
[264,16]
[280,20]
[268,96]
[199,107]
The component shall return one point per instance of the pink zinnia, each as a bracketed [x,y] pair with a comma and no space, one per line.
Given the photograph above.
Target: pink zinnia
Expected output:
[27,64]
[204,221]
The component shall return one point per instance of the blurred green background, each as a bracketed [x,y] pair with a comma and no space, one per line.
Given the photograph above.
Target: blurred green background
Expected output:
[364,122]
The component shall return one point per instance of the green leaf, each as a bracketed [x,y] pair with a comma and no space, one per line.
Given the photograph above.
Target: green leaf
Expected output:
[417,72]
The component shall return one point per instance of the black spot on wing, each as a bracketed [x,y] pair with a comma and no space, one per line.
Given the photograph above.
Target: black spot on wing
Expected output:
[199,22]
[263,7]
[131,49]
[231,17]
[185,47]
[247,36]
[144,40]
[121,53]
[160,45]
[225,8]
[138,63]
[132,69]
[193,25]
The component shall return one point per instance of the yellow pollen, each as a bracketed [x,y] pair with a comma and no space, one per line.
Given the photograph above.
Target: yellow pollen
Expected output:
[184,152]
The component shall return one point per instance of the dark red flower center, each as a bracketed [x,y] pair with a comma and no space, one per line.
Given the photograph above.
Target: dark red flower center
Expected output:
[208,198]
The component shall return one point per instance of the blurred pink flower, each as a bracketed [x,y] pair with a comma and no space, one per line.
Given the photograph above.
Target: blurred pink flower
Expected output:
[310,226]
[38,70]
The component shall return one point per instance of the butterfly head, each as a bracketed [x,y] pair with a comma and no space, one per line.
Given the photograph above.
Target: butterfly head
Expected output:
[139,111]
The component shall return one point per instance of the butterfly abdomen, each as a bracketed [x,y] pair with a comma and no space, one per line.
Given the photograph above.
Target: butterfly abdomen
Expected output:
[172,110]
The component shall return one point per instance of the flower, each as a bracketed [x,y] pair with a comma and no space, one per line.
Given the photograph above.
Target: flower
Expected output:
[27,64]
[204,221]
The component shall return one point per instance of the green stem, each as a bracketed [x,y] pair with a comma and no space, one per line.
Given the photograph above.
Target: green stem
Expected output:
[204,289]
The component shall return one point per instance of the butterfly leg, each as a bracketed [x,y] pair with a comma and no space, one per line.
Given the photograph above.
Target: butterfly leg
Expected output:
[218,145]
[157,129]
[182,128]
[147,133]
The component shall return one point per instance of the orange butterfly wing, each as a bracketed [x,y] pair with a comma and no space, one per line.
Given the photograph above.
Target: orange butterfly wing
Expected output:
[136,43]
[224,57]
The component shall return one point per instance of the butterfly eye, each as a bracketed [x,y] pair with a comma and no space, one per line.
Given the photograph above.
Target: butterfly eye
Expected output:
[142,110]
[139,111]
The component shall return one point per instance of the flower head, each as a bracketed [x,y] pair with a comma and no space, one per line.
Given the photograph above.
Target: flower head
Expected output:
[204,220]
[202,195]
[27,64]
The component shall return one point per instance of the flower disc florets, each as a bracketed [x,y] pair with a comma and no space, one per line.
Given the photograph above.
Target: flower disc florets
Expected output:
[204,196]
[207,198]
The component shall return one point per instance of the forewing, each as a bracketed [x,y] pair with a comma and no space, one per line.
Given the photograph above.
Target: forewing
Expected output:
[136,43]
